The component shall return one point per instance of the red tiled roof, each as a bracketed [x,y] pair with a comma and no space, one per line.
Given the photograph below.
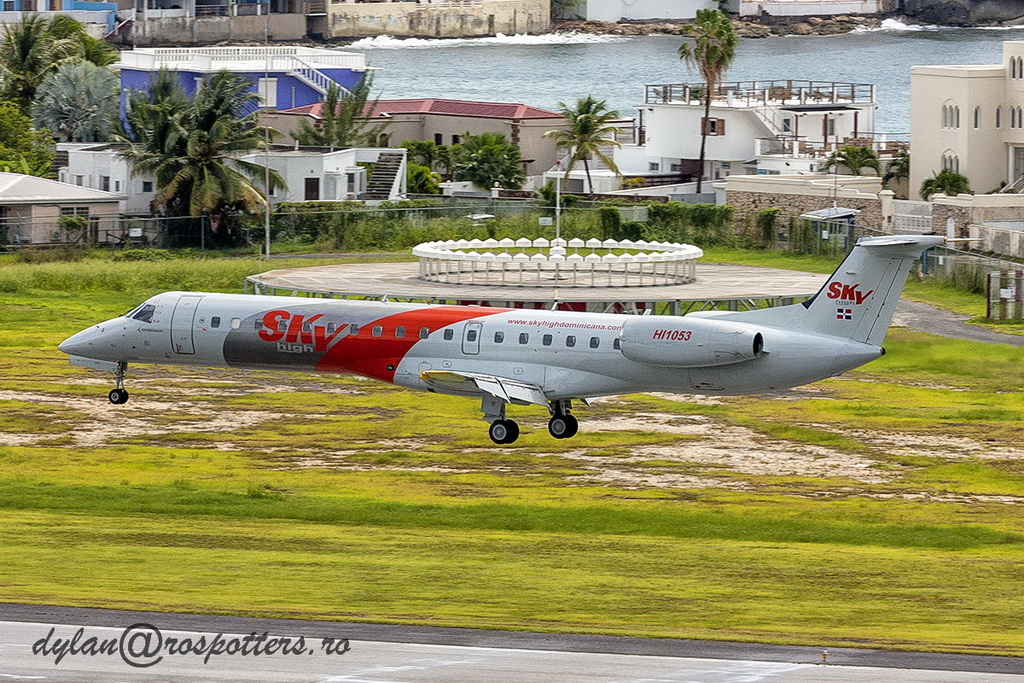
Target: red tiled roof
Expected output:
[487,110]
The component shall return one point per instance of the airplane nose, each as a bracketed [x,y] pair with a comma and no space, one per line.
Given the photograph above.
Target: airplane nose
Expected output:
[78,344]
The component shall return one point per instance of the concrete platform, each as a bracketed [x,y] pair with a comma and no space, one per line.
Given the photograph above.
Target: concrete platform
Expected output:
[723,286]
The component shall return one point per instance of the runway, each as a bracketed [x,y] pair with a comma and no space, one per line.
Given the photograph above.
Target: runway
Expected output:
[32,639]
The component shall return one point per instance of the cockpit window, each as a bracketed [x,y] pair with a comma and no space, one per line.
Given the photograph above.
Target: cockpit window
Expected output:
[143,313]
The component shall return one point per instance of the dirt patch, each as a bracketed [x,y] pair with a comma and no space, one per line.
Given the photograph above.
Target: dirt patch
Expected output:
[138,418]
[943,446]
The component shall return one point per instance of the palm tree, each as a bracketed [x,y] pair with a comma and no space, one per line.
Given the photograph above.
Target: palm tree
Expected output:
[488,159]
[346,119]
[590,129]
[78,102]
[30,50]
[193,150]
[947,182]
[712,51]
[898,173]
[854,158]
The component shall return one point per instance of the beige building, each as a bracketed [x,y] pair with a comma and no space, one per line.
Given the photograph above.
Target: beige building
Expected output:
[435,18]
[445,122]
[35,210]
[969,119]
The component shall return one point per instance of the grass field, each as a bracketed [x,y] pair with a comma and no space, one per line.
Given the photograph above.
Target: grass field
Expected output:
[878,509]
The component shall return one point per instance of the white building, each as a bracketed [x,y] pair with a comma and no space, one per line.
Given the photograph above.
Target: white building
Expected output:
[311,174]
[642,10]
[969,119]
[807,8]
[755,127]
[34,211]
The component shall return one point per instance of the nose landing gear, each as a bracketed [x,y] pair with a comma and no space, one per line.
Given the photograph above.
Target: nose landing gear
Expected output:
[119,394]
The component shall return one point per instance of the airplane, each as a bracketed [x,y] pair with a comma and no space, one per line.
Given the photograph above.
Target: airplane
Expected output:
[520,357]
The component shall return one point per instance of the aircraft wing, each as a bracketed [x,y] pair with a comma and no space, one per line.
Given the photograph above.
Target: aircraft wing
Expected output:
[508,390]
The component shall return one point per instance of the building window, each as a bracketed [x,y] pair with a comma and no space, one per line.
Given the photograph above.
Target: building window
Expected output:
[830,128]
[977,117]
[713,126]
[456,139]
[117,186]
[438,139]
[787,125]
[999,117]
[74,211]
[79,180]
[147,185]
[653,166]
[950,162]
[267,89]
[312,188]
[105,183]
[950,116]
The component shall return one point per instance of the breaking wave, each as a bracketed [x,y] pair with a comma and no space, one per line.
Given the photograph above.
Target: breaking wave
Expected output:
[897,26]
[571,38]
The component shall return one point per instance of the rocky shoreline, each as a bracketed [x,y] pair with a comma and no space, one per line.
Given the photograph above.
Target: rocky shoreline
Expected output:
[806,26]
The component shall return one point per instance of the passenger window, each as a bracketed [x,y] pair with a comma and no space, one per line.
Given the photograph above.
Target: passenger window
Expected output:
[377,330]
[215,321]
[306,327]
[595,342]
[424,332]
[236,323]
[499,337]
[617,344]
[449,334]
[570,341]
[400,333]
[524,338]
[471,335]
[353,329]
[330,328]
[546,340]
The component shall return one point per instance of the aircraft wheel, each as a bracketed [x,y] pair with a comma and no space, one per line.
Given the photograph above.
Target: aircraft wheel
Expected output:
[503,431]
[118,396]
[563,426]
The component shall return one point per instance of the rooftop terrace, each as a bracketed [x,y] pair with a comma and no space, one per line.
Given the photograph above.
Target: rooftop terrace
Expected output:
[764,93]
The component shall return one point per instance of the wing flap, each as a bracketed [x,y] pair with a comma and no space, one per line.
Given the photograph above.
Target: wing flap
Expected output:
[508,390]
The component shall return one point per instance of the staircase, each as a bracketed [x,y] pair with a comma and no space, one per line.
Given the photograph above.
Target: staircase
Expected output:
[385,171]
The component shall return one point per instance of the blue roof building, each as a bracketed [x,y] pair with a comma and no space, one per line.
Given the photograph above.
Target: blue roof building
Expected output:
[285,77]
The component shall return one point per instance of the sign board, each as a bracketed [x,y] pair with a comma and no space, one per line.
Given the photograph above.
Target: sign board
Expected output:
[545,220]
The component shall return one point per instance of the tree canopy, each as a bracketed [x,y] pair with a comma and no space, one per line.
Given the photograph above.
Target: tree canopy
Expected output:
[853,158]
[712,50]
[488,159]
[589,132]
[347,119]
[32,49]
[22,148]
[947,182]
[193,149]
[79,102]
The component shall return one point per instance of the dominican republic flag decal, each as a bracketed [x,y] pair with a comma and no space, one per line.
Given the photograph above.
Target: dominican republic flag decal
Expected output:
[844,314]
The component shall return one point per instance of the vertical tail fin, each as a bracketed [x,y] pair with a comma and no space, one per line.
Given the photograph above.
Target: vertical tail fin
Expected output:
[858,300]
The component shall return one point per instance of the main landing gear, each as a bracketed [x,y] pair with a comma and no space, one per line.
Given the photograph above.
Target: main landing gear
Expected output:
[562,425]
[119,394]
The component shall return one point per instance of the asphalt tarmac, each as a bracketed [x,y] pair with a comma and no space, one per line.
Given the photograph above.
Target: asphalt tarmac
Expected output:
[32,639]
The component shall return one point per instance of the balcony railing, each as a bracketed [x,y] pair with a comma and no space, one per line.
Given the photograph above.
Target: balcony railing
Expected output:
[761,93]
[886,145]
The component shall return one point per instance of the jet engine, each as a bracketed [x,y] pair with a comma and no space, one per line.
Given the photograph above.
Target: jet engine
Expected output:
[686,342]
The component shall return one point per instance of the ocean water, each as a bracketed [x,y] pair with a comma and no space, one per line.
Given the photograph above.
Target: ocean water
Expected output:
[544,70]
